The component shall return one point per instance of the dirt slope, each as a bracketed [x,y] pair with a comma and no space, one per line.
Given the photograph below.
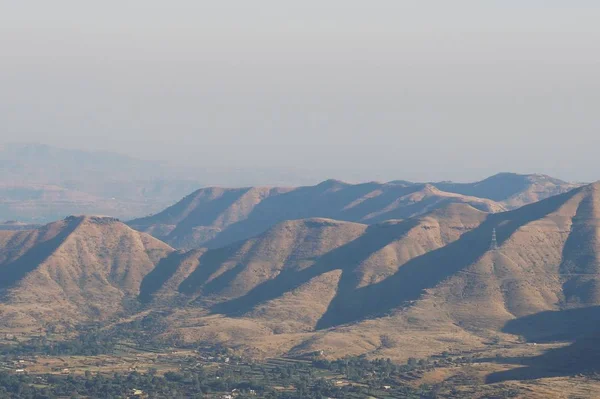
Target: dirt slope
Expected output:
[76,270]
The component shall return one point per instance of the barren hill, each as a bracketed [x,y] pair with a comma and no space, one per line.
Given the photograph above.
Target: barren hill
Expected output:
[396,288]
[511,189]
[75,270]
[215,217]
[433,281]
[289,279]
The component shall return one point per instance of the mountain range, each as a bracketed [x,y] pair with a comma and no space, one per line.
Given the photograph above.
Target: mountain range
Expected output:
[39,184]
[389,270]
[214,217]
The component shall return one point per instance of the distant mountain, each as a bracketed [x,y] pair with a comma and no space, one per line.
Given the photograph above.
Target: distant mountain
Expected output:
[41,203]
[510,189]
[40,183]
[77,270]
[15,225]
[215,217]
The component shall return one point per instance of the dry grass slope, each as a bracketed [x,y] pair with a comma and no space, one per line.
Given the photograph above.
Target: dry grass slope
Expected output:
[399,288]
[73,271]
[431,281]
[216,217]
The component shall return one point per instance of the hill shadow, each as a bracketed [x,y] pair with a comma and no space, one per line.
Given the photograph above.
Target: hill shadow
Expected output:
[153,281]
[346,257]
[553,326]
[390,194]
[209,262]
[579,257]
[580,357]
[430,269]
[14,271]
[207,212]
[580,326]
[326,200]
[406,285]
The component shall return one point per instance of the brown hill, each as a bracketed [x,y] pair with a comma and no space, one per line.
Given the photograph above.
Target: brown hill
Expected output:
[76,270]
[215,217]
[399,288]
[285,281]
[510,189]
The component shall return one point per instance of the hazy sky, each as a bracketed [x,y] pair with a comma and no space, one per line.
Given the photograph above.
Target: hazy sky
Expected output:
[419,90]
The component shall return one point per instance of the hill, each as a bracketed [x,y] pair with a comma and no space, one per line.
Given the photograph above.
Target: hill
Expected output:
[281,288]
[415,287]
[215,217]
[511,189]
[77,270]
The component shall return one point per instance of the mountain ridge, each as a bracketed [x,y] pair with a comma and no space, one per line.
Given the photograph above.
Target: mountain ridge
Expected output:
[215,217]
[397,288]
[352,292]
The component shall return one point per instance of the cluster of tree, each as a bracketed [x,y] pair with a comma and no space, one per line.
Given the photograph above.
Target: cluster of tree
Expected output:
[91,340]
[147,326]
[304,379]
[85,344]
[172,385]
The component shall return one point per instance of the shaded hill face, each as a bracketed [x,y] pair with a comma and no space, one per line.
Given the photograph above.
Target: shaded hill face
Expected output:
[578,326]
[72,271]
[531,271]
[353,288]
[216,217]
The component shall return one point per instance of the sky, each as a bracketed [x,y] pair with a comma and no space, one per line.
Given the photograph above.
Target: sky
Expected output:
[356,90]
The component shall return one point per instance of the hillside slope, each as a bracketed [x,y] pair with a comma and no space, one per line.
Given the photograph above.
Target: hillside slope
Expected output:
[398,288]
[280,288]
[76,270]
[433,281]
[216,217]
[510,189]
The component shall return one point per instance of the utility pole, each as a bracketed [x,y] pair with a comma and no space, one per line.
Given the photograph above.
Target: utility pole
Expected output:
[494,244]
